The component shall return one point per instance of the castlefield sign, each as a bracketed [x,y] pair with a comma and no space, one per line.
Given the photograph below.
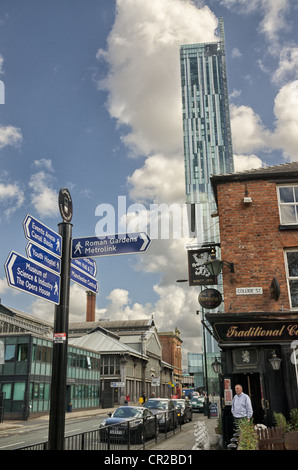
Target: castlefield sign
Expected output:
[263,331]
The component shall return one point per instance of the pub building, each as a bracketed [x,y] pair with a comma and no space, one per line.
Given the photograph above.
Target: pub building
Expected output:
[256,325]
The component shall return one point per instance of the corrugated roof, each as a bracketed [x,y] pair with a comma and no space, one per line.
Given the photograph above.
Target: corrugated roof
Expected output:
[100,342]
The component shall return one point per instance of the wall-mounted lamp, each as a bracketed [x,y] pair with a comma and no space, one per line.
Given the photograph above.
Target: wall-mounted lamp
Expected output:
[217,366]
[247,199]
[215,265]
[275,361]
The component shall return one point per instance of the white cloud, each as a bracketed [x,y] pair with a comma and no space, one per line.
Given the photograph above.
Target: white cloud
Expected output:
[236,54]
[288,65]
[251,136]
[144,79]
[43,197]
[274,13]
[248,132]
[246,162]
[154,181]
[286,113]
[10,135]
[11,197]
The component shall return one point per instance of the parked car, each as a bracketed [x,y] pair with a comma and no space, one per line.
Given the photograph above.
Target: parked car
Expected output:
[165,410]
[197,404]
[185,412]
[136,422]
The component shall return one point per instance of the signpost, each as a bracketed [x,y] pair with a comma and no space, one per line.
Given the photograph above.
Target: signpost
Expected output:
[30,277]
[43,236]
[119,244]
[87,265]
[47,276]
[60,344]
[83,279]
[44,257]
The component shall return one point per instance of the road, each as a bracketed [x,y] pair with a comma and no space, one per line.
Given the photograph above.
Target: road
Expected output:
[36,431]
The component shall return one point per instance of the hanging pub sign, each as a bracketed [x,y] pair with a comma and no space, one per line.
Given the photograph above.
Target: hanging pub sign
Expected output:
[198,274]
[210,298]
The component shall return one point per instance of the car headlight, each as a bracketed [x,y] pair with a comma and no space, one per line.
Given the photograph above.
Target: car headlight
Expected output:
[103,423]
[135,423]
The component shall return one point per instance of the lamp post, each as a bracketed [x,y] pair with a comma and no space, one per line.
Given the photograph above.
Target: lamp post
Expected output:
[215,265]
[205,366]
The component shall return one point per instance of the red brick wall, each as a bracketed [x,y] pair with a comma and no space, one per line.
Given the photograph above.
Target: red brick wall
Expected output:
[250,237]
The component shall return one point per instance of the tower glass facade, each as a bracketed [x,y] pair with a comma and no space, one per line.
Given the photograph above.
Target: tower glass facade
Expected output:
[206,126]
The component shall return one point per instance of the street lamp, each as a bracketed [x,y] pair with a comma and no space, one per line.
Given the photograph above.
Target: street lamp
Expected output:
[217,366]
[215,265]
[275,361]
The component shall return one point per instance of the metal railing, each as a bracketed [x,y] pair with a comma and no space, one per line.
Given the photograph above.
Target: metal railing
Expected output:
[134,434]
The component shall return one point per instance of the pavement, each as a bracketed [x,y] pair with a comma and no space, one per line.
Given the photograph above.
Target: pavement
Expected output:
[186,439]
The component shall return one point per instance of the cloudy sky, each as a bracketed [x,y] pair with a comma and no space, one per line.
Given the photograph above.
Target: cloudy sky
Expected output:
[93,103]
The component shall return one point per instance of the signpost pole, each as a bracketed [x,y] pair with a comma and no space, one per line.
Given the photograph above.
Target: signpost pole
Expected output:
[59,361]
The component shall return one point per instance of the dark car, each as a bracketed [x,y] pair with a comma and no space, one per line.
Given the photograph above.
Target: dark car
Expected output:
[165,410]
[185,412]
[197,404]
[135,422]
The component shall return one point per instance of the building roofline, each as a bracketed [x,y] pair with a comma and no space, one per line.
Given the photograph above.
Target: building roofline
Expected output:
[285,171]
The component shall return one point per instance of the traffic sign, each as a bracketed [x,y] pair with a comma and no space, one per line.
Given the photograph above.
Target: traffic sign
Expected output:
[38,233]
[43,257]
[83,279]
[119,244]
[87,265]
[30,277]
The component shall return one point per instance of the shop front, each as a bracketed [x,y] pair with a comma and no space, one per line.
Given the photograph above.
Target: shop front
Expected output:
[258,351]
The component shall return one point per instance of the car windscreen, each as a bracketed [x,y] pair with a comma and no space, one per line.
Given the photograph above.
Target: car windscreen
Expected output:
[126,412]
[161,405]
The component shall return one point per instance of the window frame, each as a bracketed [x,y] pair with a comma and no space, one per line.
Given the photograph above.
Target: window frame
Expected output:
[288,276]
[283,204]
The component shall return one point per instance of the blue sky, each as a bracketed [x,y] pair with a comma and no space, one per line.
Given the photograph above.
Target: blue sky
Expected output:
[93,103]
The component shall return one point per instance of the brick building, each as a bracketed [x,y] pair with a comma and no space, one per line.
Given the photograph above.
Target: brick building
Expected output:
[258,220]
[171,353]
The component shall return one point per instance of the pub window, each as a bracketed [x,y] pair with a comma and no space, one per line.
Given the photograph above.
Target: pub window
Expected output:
[288,204]
[291,259]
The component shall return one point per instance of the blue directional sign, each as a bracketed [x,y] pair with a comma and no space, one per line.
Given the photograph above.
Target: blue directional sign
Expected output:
[43,257]
[83,279]
[30,277]
[43,236]
[87,265]
[119,244]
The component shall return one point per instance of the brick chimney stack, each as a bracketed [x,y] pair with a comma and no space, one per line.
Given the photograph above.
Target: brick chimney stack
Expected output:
[91,301]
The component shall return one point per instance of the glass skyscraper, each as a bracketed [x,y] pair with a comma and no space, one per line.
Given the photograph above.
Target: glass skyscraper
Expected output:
[206,127]
[206,137]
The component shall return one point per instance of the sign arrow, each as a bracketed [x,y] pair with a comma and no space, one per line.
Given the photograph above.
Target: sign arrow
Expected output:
[83,279]
[43,236]
[119,244]
[43,257]
[31,277]
[87,265]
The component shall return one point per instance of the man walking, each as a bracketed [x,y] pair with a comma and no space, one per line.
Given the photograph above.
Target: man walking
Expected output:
[241,405]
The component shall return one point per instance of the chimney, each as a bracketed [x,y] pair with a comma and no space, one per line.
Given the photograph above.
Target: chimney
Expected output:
[91,301]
